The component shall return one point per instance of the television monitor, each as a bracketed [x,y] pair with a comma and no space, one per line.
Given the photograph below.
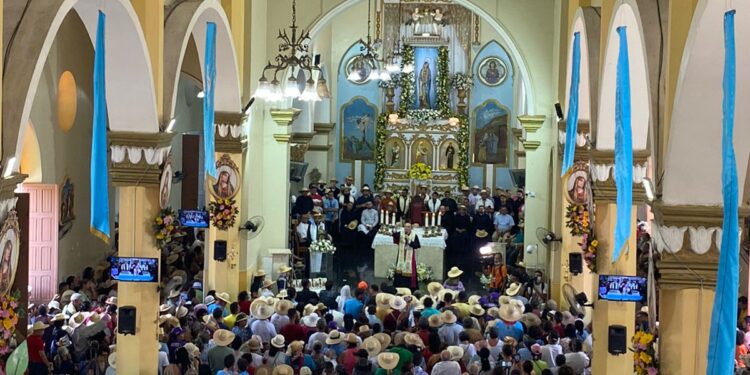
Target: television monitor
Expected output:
[141,270]
[194,218]
[622,288]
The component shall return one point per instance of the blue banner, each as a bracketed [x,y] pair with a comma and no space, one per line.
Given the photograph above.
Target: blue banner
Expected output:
[623,149]
[721,344]
[571,120]
[209,86]
[99,159]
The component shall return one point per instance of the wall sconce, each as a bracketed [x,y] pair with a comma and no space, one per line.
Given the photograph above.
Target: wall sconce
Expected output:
[453,121]
[393,118]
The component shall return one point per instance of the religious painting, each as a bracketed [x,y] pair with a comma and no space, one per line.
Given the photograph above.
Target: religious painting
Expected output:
[425,72]
[577,185]
[358,129]
[67,201]
[421,151]
[449,155]
[165,186]
[228,179]
[395,154]
[10,246]
[358,69]
[490,133]
[492,71]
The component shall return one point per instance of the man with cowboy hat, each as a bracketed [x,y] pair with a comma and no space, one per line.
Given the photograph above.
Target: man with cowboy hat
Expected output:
[304,202]
[261,311]
[333,187]
[365,197]
[38,362]
[450,330]
[349,183]
[331,208]
[222,338]
[387,199]
[474,195]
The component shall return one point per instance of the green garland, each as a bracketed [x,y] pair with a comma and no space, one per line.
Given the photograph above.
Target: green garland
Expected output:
[462,136]
[406,100]
[443,83]
[381,135]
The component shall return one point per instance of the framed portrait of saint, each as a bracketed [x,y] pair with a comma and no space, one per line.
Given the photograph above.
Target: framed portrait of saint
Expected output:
[10,246]
[490,133]
[492,71]
[358,70]
[67,201]
[226,185]
[449,155]
[421,152]
[577,186]
[165,186]
[395,154]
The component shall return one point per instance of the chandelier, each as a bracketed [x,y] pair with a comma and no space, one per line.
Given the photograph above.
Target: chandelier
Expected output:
[293,56]
[369,56]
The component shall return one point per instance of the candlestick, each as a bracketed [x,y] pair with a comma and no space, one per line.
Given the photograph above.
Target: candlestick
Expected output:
[382,215]
[393,218]
[425,218]
[440,216]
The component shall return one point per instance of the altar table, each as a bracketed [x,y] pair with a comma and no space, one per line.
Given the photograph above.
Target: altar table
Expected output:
[431,253]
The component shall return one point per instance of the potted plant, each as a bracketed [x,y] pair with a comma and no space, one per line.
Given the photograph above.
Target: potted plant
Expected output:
[463,84]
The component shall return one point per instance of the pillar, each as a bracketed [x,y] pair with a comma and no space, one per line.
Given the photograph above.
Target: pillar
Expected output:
[687,237]
[151,15]
[138,198]
[224,276]
[235,10]
[539,197]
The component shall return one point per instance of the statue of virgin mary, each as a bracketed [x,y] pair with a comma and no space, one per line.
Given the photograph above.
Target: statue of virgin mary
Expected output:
[425,80]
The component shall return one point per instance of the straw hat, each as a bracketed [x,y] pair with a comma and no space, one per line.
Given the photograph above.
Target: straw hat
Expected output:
[110,301]
[513,289]
[267,283]
[434,288]
[334,338]
[403,292]
[263,311]
[414,339]
[351,338]
[441,295]
[304,370]
[112,360]
[435,321]
[209,300]
[296,345]
[476,310]
[383,299]
[58,317]
[224,296]
[311,320]
[388,360]
[398,338]
[192,350]
[455,272]
[253,345]
[352,225]
[164,308]
[182,312]
[284,268]
[278,341]
[510,310]
[492,312]
[309,309]
[384,338]
[365,330]
[39,326]
[530,320]
[457,352]
[260,272]
[174,293]
[473,299]
[282,294]
[372,345]
[56,305]
[283,306]
[481,233]
[282,370]
[397,303]
[223,337]
[448,317]
[76,320]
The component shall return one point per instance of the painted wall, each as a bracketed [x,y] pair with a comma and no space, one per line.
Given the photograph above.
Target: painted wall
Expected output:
[68,154]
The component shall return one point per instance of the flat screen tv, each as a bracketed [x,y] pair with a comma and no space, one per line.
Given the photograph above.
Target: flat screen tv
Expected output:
[622,288]
[140,270]
[194,218]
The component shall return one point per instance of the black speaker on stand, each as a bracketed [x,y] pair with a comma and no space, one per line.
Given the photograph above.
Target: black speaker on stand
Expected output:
[126,317]
[575,263]
[220,250]
[558,111]
[618,341]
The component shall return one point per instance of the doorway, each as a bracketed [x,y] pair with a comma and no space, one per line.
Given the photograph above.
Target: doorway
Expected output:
[43,229]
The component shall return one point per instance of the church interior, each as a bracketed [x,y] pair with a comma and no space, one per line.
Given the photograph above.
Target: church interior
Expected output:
[162,159]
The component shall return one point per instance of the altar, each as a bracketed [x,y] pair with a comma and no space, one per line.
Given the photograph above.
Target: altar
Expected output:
[431,253]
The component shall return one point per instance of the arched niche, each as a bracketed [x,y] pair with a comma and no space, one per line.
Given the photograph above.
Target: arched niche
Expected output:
[625,14]
[587,24]
[692,167]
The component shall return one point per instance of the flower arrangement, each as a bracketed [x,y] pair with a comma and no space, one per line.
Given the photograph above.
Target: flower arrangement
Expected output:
[322,246]
[589,246]
[406,100]
[424,272]
[381,136]
[10,311]
[485,280]
[392,83]
[644,353]
[461,81]
[423,116]
[420,171]
[166,227]
[577,219]
[462,136]
[442,98]
[223,213]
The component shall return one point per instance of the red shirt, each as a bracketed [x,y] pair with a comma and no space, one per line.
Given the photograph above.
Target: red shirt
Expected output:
[349,360]
[292,332]
[244,307]
[35,345]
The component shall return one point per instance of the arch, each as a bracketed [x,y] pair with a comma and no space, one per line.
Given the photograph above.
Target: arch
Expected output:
[694,145]
[188,20]
[130,81]
[587,23]
[625,14]
[515,52]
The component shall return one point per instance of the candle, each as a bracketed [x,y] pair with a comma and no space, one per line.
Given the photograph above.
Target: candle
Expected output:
[393,218]
[382,215]
[440,216]
[426,215]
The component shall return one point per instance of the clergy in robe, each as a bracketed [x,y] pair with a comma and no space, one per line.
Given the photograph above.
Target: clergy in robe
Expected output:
[459,241]
[417,210]
[483,229]
[406,257]
[403,204]
[449,202]
[447,220]
[348,222]
[434,203]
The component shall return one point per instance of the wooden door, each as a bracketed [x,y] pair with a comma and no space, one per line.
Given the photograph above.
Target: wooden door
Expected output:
[43,228]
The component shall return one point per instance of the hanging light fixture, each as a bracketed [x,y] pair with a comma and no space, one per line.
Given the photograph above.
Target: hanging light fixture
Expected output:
[294,56]
[368,54]
[395,58]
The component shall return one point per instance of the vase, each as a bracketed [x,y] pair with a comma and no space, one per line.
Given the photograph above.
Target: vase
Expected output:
[461,94]
[316,260]
[389,104]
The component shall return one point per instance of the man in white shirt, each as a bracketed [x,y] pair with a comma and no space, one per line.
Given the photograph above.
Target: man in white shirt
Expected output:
[264,329]
[474,195]
[551,350]
[484,200]
[73,306]
[446,366]
[369,220]
[503,223]
[577,359]
[304,230]
[434,203]
[450,330]
[349,182]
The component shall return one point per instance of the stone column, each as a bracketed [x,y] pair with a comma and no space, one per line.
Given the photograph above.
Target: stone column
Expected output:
[151,15]
[224,276]
[688,238]
[138,197]
[537,208]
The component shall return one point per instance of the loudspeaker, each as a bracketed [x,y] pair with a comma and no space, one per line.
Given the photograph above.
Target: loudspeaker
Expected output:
[617,340]
[558,110]
[297,171]
[126,320]
[220,250]
[575,263]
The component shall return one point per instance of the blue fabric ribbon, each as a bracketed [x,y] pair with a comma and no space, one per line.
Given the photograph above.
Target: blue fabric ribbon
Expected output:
[623,149]
[209,85]
[721,344]
[99,225]
[571,120]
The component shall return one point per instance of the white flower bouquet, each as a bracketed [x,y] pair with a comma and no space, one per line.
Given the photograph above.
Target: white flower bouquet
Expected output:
[485,280]
[423,116]
[322,246]
[461,81]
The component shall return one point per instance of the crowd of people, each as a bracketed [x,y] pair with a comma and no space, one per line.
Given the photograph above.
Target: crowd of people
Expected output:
[350,217]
